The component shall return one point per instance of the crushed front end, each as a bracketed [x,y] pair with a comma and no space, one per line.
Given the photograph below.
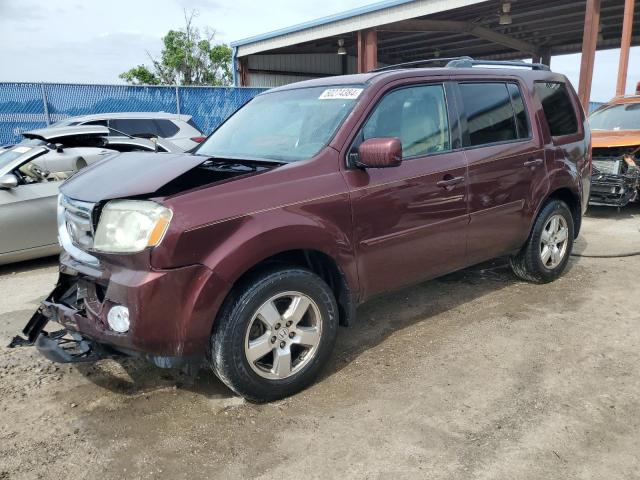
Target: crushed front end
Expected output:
[106,305]
[615,180]
[62,345]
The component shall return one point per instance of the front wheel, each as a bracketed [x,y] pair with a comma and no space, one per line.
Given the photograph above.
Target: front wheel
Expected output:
[274,334]
[546,253]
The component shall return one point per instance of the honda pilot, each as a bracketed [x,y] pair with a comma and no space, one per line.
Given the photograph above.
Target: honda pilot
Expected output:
[247,254]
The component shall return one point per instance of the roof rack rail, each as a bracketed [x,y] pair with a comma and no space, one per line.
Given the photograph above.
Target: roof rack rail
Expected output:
[418,63]
[462,62]
[470,62]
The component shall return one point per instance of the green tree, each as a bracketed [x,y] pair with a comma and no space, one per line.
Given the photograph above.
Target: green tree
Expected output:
[189,57]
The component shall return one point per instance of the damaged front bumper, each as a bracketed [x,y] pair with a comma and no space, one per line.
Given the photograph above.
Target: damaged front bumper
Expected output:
[61,346]
[171,313]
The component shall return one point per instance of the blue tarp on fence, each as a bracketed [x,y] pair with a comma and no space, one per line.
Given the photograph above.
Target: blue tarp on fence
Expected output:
[26,106]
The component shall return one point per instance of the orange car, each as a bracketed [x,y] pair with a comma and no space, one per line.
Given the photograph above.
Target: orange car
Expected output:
[615,130]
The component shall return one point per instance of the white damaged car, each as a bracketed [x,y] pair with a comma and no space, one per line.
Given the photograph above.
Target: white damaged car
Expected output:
[32,171]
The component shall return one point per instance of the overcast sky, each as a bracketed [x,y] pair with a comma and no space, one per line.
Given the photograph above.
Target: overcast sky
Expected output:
[93,41]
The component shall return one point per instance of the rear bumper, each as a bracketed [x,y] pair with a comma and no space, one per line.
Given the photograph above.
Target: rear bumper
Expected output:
[171,312]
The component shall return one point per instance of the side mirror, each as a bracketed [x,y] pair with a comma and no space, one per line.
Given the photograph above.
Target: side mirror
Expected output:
[8,181]
[380,153]
[59,147]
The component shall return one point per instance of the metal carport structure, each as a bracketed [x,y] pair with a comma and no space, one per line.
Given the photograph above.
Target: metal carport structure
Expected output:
[397,31]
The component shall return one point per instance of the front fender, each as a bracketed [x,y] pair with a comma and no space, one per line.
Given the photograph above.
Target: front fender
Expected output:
[232,247]
[252,244]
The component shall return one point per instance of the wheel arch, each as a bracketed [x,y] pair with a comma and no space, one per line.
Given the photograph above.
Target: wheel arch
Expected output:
[317,261]
[572,200]
[324,249]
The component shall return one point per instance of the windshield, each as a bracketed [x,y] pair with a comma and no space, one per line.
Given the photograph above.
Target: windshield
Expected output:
[9,155]
[617,117]
[288,125]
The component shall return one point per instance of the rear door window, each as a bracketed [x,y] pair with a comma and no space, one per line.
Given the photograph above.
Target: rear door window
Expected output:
[557,107]
[135,126]
[415,115]
[490,113]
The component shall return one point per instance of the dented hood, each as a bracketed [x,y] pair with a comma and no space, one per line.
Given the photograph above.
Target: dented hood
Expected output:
[128,175]
[615,138]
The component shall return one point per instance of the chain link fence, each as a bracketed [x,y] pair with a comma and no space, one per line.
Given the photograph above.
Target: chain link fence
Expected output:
[27,106]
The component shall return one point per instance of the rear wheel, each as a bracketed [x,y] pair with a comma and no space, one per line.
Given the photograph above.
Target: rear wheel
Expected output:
[546,253]
[274,334]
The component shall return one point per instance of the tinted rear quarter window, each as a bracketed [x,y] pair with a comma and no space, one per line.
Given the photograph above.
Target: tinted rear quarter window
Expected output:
[557,107]
[490,116]
[166,128]
[193,124]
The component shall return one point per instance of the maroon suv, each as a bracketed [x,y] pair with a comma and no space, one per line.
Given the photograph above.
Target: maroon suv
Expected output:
[247,254]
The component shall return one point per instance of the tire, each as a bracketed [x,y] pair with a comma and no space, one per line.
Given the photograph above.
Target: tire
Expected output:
[247,319]
[529,263]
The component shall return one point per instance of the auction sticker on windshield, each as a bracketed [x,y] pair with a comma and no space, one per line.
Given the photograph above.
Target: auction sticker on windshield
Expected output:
[340,94]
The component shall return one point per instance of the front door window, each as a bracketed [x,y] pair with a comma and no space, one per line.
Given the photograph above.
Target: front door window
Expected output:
[415,115]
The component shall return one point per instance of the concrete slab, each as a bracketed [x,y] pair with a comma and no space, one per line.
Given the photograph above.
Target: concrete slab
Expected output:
[610,231]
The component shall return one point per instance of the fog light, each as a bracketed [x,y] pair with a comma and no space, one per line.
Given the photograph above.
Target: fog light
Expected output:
[118,319]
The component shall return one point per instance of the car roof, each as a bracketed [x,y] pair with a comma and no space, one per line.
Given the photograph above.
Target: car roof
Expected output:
[129,115]
[400,73]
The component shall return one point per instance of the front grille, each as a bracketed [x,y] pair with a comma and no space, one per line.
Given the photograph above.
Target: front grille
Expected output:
[75,228]
[78,222]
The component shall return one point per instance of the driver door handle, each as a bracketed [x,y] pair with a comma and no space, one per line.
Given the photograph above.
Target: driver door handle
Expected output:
[449,181]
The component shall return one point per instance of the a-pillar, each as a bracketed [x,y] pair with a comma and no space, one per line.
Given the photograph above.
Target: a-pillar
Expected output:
[367,50]
[589,45]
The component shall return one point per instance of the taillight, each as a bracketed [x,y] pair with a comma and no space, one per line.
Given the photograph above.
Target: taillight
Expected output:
[638,89]
[198,139]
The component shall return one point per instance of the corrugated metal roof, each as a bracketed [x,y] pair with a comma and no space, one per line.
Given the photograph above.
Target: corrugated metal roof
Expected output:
[374,7]
[371,16]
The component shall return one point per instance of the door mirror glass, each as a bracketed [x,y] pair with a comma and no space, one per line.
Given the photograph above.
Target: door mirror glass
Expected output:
[8,181]
[380,153]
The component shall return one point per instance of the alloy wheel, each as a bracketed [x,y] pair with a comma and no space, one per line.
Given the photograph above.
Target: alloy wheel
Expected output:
[554,241]
[283,335]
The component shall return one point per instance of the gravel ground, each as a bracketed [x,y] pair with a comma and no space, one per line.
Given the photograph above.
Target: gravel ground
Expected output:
[475,375]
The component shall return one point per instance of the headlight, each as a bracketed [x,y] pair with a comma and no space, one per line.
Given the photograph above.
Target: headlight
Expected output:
[129,226]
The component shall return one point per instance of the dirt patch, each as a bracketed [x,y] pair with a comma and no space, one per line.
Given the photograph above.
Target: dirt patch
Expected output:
[475,375]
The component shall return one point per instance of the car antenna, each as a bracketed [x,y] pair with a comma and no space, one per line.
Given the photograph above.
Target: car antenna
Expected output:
[111,129]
